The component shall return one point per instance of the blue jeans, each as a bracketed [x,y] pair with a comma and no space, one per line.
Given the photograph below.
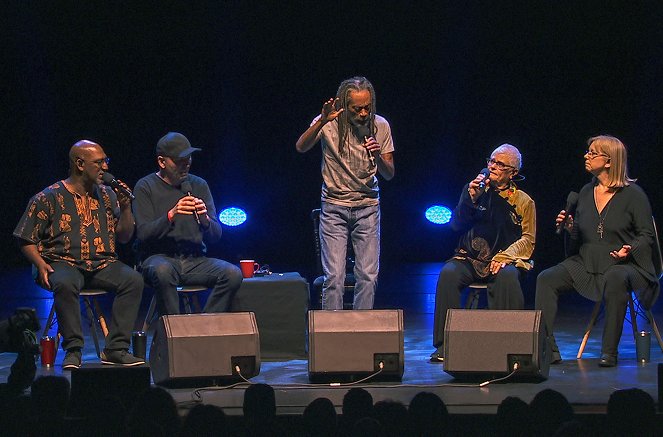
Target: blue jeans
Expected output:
[362,225]
[165,273]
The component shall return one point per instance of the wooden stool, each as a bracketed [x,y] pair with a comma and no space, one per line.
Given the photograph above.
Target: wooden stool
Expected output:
[93,311]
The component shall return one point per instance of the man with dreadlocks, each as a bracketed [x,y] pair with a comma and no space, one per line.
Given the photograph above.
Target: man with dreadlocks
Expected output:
[356,145]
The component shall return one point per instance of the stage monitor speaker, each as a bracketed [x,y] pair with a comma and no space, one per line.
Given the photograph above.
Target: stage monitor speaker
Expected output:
[93,384]
[195,350]
[352,344]
[485,344]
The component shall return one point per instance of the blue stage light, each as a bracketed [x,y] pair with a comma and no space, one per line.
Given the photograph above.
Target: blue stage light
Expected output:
[232,216]
[438,214]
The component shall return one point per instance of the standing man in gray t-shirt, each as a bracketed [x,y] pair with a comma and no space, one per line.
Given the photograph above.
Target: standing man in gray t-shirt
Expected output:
[356,145]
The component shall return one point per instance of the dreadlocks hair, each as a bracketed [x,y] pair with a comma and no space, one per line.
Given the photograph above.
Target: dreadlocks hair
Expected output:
[357,83]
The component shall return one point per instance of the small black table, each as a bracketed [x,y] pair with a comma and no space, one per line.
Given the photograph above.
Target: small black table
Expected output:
[280,303]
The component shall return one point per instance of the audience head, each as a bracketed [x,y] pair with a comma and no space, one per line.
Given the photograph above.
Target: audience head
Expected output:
[320,418]
[50,397]
[549,409]
[393,417]
[631,412]
[513,417]
[154,413]
[367,427]
[259,402]
[205,420]
[357,404]
[428,414]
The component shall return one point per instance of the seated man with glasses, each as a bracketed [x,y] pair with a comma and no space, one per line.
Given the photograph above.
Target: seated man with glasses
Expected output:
[175,221]
[69,232]
[497,222]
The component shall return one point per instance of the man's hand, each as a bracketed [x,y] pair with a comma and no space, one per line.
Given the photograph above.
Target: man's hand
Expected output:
[122,198]
[186,205]
[622,253]
[329,111]
[201,209]
[371,145]
[474,189]
[42,275]
[495,267]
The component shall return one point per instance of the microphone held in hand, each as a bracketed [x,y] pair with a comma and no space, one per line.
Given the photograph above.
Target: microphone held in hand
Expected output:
[109,179]
[364,133]
[571,203]
[186,187]
[486,175]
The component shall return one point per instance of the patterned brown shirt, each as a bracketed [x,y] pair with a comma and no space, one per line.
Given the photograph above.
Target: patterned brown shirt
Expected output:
[66,226]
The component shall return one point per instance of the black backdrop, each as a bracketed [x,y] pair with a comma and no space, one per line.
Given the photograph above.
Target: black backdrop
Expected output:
[242,80]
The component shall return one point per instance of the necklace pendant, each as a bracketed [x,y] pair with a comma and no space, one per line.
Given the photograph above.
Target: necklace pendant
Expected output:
[599,230]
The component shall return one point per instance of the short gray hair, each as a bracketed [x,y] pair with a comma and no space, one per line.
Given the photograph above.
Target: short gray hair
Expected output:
[511,151]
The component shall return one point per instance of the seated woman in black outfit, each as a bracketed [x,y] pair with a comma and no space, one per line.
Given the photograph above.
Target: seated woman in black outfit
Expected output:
[611,247]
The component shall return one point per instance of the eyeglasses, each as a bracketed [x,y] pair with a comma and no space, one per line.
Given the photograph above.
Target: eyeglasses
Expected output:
[592,154]
[99,162]
[498,164]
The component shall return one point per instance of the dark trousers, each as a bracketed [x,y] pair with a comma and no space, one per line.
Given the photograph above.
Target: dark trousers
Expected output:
[164,274]
[67,281]
[556,280]
[504,291]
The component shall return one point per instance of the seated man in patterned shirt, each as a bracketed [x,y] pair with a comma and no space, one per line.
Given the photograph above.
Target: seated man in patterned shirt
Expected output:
[68,232]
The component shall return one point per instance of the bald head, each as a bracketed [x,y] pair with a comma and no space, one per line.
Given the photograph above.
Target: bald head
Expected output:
[82,149]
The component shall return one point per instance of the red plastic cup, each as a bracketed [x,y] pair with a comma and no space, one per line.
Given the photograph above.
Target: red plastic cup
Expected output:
[249,267]
[47,349]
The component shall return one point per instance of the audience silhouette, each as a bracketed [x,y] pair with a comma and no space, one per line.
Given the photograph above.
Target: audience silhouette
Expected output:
[428,415]
[320,418]
[630,412]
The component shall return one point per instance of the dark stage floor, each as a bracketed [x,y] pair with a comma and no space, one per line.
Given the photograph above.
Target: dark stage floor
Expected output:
[410,287]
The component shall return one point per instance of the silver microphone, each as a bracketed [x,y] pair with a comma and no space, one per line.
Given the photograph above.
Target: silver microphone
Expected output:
[186,187]
[364,133]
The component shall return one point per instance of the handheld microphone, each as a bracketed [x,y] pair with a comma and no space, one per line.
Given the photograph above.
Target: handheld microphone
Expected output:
[109,179]
[364,133]
[571,202]
[186,187]
[486,174]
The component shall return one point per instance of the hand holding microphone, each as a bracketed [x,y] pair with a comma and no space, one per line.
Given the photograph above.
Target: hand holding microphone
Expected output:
[478,186]
[370,143]
[186,187]
[564,218]
[109,179]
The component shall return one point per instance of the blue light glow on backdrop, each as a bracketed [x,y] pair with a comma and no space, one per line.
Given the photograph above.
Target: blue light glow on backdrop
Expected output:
[232,216]
[438,214]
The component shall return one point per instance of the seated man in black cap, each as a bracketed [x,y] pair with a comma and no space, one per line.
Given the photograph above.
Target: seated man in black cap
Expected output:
[175,220]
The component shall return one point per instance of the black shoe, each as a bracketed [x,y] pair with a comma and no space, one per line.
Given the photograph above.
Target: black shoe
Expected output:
[438,355]
[608,360]
[555,358]
[72,359]
[120,357]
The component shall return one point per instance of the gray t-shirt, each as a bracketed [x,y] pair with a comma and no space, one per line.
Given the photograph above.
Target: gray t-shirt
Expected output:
[351,180]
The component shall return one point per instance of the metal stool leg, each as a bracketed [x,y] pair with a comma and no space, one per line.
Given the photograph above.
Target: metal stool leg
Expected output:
[634,317]
[196,303]
[187,304]
[654,328]
[50,321]
[150,313]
